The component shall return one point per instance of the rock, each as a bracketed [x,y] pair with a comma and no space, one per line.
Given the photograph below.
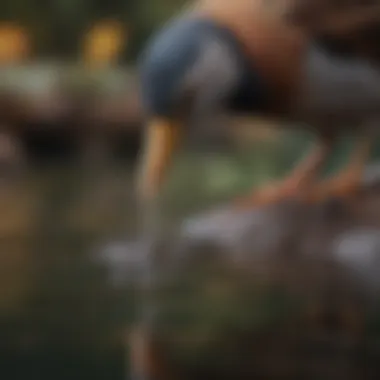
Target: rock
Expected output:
[123,261]
[358,250]
[316,231]
[273,282]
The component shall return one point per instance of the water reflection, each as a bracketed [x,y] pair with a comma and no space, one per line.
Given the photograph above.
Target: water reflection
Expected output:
[62,314]
[58,311]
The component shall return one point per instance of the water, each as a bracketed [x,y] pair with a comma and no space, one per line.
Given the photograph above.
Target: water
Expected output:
[61,316]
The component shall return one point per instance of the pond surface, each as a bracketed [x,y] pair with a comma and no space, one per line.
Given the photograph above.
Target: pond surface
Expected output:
[61,317]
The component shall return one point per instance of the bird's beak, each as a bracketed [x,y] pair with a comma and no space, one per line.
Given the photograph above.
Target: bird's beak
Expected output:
[161,139]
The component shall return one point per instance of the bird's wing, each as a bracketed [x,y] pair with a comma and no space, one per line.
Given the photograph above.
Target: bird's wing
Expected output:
[344,21]
[352,31]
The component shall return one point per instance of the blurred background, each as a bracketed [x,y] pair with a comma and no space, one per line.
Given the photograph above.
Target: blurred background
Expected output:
[70,129]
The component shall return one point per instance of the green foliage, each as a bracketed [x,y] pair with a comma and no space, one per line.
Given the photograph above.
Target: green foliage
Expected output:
[56,27]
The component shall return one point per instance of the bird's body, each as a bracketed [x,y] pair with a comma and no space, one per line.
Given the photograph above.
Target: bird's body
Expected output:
[246,56]
[220,53]
[266,48]
[280,72]
[274,46]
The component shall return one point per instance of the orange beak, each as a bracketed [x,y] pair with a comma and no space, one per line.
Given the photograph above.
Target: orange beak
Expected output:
[161,140]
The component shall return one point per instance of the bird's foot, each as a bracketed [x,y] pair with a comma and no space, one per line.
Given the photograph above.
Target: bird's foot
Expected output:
[270,194]
[147,359]
[345,187]
[141,355]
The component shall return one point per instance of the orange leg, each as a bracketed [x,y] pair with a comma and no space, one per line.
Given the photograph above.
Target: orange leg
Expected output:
[347,183]
[147,359]
[298,183]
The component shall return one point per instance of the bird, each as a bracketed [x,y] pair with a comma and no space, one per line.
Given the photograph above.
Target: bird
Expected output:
[260,57]
[264,58]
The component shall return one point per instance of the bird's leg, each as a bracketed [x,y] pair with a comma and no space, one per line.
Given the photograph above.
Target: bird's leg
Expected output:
[298,183]
[161,140]
[347,183]
[147,358]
